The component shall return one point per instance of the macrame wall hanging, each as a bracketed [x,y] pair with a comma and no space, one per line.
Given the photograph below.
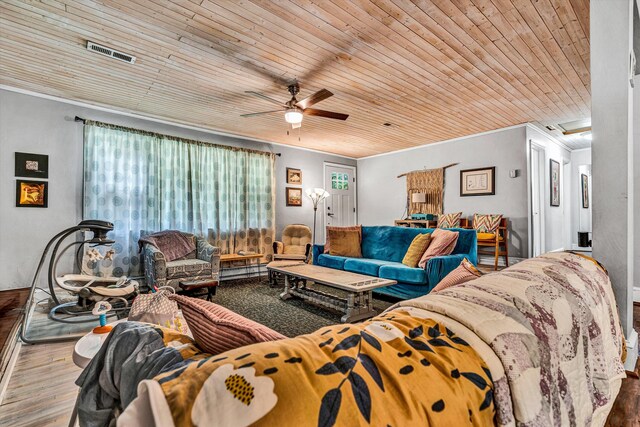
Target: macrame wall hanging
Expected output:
[429,182]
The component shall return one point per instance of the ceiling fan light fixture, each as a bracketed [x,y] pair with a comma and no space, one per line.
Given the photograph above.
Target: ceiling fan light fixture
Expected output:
[293,115]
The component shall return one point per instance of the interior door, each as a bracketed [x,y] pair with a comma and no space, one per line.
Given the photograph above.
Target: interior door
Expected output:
[537,200]
[340,206]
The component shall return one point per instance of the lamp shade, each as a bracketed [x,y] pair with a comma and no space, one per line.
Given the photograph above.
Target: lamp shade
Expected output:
[418,198]
[317,195]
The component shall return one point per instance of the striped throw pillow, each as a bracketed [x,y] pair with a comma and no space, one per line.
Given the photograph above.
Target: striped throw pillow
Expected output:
[464,273]
[450,220]
[217,329]
[416,249]
[486,223]
[443,242]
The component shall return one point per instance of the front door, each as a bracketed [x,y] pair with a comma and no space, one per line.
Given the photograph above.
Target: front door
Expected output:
[340,206]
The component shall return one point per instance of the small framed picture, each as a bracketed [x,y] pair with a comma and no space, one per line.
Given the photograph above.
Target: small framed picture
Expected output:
[294,196]
[478,182]
[294,176]
[31,194]
[554,179]
[584,180]
[32,165]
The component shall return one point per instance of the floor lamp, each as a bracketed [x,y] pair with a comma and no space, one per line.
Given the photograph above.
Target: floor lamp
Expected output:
[316,195]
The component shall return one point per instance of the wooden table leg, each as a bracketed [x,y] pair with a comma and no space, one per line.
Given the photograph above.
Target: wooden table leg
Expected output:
[365,309]
[287,286]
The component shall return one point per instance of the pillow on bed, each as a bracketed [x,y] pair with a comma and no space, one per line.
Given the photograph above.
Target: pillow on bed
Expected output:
[442,243]
[464,273]
[217,329]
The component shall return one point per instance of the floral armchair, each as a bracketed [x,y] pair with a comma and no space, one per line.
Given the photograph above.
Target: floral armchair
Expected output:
[201,264]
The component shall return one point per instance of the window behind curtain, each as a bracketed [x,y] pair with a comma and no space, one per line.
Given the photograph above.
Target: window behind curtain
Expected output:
[142,181]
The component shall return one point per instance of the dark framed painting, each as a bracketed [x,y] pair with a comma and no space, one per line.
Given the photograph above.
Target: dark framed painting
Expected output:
[294,176]
[554,181]
[584,181]
[478,182]
[32,194]
[294,196]
[32,165]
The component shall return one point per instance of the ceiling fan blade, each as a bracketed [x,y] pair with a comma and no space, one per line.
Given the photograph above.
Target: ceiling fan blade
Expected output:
[314,98]
[323,113]
[265,97]
[261,113]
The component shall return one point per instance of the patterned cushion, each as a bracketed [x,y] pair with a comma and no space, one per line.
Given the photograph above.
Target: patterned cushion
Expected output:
[188,268]
[464,273]
[217,329]
[327,245]
[486,223]
[450,220]
[416,250]
[442,243]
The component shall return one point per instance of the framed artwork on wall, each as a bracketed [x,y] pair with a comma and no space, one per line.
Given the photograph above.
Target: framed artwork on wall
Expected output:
[31,194]
[294,196]
[584,180]
[554,179]
[478,182]
[294,176]
[32,165]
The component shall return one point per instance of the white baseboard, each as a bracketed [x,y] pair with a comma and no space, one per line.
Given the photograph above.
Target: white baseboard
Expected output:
[632,351]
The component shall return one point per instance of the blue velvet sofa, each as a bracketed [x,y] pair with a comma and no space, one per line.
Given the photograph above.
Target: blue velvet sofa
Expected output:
[383,248]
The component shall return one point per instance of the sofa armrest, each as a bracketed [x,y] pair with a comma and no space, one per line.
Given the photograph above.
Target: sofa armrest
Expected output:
[278,247]
[438,267]
[207,252]
[155,266]
[317,251]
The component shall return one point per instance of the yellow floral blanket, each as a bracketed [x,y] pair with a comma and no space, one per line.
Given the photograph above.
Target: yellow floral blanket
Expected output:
[393,370]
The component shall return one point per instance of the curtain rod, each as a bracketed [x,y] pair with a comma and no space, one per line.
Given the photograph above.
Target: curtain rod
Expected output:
[84,121]
[425,169]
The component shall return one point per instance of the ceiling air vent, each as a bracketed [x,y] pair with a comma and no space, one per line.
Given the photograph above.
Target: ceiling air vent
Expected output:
[107,51]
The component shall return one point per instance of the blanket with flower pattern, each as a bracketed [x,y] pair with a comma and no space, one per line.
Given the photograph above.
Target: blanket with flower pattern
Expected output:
[552,323]
[392,370]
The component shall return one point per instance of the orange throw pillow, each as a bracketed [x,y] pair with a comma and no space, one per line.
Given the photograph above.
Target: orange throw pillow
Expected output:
[464,273]
[442,243]
[327,245]
[345,243]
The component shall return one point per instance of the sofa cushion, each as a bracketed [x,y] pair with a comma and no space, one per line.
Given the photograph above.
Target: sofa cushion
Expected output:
[364,265]
[442,243]
[403,274]
[188,268]
[488,236]
[331,261]
[388,243]
[416,250]
[345,243]
[217,329]
[463,274]
[327,245]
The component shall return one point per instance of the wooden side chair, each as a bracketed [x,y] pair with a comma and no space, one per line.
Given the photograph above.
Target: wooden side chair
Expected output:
[498,242]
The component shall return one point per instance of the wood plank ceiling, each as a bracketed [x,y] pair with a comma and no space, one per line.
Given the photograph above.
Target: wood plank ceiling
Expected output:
[434,69]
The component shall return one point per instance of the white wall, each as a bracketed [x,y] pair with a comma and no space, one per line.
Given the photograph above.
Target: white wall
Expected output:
[636,180]
[580,217]
[37,125]
[556,218]
[382,196]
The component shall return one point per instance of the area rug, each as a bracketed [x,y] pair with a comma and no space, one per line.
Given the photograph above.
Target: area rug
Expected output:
[261,303]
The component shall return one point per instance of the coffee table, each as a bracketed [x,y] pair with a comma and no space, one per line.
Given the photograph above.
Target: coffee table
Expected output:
[358,304]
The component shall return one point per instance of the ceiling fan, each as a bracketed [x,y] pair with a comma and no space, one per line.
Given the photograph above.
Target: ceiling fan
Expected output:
[294,110]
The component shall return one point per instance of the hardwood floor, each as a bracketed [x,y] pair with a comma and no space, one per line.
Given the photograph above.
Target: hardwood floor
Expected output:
[42,392]
[626,409]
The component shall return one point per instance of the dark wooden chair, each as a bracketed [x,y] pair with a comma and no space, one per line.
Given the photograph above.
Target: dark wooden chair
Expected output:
[498,242]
